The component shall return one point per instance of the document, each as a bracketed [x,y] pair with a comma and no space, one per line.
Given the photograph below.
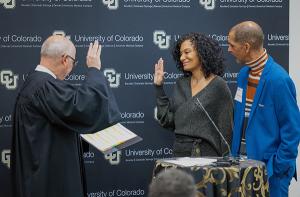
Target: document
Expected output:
[190,161]
[112,139]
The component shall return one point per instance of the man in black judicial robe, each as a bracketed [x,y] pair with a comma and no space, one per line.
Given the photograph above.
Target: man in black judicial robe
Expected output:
[49,117]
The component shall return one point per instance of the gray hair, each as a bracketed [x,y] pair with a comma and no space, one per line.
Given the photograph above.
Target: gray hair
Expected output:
[56,46]
[173,183]
[249,32]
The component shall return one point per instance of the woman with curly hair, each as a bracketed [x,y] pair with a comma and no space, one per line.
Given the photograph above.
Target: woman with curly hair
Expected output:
[201,108]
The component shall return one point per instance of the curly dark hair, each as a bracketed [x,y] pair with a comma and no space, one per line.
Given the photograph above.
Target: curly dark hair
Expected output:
[209,53]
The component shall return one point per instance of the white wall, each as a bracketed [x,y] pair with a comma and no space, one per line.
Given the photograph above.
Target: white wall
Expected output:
[294,69]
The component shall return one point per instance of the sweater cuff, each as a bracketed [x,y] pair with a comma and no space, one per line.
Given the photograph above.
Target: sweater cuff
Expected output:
[160,92]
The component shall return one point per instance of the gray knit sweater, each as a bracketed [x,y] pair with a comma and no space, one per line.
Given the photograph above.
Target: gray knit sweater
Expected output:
[183,114]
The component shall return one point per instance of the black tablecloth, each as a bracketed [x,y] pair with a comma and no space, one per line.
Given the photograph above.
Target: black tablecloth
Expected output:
[238,178]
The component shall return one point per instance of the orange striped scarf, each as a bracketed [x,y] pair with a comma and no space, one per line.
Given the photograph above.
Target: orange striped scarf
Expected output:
[256,69]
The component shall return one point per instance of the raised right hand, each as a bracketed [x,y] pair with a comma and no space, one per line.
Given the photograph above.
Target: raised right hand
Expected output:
[159,72]
[93,55]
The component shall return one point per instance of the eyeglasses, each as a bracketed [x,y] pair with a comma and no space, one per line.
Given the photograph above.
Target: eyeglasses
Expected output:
[75,62]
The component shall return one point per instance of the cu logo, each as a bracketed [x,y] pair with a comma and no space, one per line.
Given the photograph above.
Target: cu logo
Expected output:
[8,79]
[114,158]
[111,4]
[113,77]
[208,4]
[5,157]
[161,39]
[8,4]
[60,33]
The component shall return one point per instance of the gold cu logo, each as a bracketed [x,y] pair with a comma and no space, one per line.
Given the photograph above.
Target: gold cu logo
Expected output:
[111,4]
[208,4]
[8,4]
[8,79]
[161,39]
[114,158]
[5,157]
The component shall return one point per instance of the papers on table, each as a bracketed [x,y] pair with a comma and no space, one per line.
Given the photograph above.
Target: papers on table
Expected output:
[190,161]
[112,138]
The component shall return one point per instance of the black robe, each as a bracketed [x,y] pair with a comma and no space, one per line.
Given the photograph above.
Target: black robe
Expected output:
[49,117]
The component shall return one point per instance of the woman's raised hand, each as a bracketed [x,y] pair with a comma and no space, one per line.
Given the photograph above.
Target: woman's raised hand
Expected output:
[159,72]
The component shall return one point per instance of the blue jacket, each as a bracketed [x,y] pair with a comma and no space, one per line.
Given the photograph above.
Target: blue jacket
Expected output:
[273,130]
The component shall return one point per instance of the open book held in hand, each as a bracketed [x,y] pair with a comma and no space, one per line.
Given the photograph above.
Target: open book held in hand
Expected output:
[112,139]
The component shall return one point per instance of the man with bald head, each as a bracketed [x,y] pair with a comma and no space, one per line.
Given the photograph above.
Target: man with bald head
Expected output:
[49,116]
[266,117]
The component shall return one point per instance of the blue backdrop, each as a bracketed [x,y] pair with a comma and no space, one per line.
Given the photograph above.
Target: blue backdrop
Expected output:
[134,34]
